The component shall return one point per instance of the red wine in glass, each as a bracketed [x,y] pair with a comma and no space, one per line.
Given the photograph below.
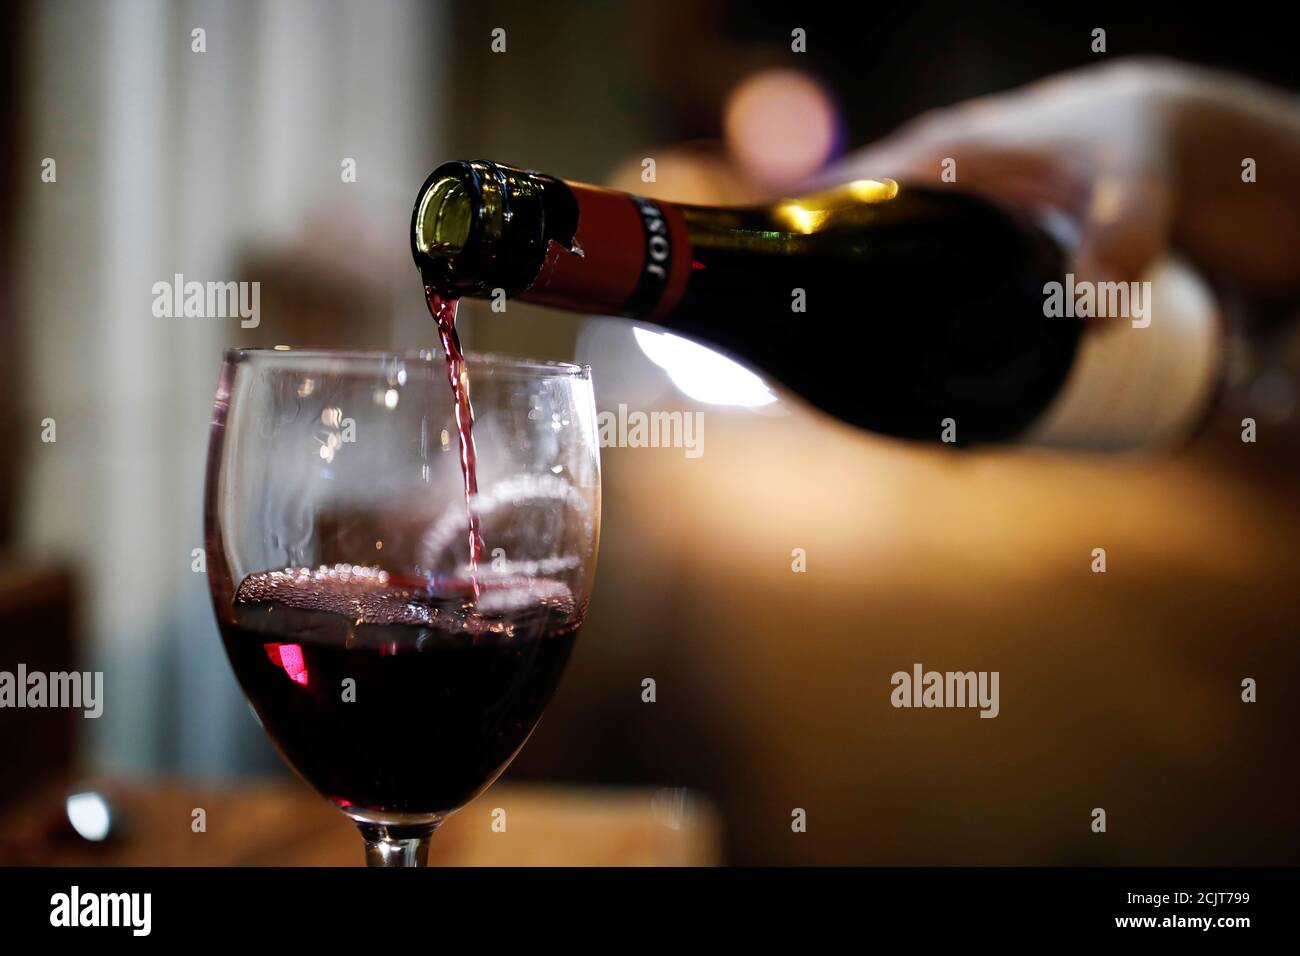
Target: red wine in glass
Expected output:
[398,697]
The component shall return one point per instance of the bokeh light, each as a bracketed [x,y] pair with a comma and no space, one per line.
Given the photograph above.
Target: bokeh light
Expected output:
[781,126]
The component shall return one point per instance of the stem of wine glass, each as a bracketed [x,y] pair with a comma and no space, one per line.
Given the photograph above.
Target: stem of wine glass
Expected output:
[396,845]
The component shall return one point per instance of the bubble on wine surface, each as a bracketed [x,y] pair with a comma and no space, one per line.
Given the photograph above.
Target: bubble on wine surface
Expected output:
[373,596]
[361,593]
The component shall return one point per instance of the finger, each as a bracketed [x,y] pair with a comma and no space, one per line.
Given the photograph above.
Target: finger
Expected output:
[1126,226]
[913,149]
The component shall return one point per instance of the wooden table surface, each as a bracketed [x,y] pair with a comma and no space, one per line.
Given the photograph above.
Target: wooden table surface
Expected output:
[285,823]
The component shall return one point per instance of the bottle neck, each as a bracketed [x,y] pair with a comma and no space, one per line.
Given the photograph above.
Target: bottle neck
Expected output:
[480,226]
[630,256]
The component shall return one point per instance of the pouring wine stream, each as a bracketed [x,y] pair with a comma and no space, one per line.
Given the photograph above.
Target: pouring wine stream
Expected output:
[443,311]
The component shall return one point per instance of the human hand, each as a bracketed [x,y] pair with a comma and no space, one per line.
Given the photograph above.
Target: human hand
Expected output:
[1147,154]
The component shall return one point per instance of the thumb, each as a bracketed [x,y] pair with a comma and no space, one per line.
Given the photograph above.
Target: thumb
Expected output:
[1125,228]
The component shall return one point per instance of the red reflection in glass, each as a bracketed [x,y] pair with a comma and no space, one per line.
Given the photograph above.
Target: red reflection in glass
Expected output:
[289,657]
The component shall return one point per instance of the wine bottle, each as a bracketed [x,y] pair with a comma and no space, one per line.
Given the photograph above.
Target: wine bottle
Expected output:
[918,313]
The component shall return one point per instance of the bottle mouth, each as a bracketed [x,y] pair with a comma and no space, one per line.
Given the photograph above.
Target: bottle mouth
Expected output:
[479,226]
[456,214]
[443,218]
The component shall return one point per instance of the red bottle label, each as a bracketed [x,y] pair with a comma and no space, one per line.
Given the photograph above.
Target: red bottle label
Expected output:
[630,256]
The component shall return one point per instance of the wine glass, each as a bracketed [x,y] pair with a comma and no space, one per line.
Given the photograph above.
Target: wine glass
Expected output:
[397,676]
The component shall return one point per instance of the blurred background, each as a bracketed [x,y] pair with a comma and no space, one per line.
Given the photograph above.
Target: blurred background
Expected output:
[1119,690]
